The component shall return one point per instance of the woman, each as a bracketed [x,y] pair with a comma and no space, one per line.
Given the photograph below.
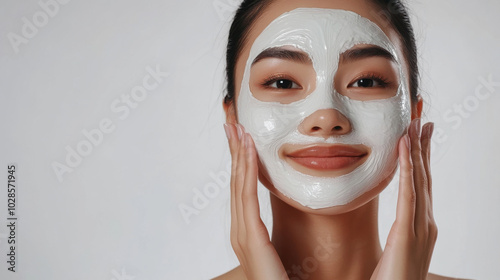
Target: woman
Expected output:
[320,98]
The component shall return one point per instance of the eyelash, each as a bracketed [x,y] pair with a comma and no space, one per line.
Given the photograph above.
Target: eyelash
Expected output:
[381,80]
[273,79]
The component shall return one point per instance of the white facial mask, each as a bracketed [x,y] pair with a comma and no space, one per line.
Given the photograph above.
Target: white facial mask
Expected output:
[324,34]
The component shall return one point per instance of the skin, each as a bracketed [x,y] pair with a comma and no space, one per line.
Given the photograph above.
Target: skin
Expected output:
[350,231]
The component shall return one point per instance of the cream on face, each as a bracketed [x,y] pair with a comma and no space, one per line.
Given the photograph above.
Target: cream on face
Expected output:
[324,34]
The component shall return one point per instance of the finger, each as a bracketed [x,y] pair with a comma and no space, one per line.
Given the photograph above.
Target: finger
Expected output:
[233,141]
[232,137]
[427,131]
[405,209]
[419,175]
[233,144]
[240,181]
[250,198]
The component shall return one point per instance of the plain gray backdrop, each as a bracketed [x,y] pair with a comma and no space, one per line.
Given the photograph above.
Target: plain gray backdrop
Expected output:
[111,111]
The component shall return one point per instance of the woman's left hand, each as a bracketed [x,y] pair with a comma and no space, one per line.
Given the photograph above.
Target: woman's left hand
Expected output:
[408,251]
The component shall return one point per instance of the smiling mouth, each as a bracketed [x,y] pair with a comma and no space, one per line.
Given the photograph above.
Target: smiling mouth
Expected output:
[329,158]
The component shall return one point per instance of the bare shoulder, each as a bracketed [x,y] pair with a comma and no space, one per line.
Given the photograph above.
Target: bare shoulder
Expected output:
[432,276]
[236,273]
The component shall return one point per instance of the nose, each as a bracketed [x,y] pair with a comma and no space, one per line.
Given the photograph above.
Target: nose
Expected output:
[325,123]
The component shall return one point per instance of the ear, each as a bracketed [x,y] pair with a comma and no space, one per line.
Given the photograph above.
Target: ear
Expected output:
[230,110]
[416,109]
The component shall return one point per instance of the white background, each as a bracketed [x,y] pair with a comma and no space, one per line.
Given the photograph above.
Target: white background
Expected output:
[116,215]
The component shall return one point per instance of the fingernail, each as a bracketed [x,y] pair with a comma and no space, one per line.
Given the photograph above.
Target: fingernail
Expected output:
[407,140]
[228,133]
[245,139]
[431,129]
[417,127]
[249,140]
[240,131]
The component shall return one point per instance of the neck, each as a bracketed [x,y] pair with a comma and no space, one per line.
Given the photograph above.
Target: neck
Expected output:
[311,246]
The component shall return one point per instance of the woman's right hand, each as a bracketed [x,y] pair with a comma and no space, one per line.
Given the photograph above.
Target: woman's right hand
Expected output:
[249,237]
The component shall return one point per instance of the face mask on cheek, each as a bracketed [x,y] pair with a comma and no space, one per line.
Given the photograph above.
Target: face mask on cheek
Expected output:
[324,34]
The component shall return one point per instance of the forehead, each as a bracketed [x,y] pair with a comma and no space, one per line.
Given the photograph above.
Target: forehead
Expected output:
[320,31]
[365,8]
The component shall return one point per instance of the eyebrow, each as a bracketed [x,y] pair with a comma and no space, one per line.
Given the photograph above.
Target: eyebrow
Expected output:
[281,53]
[366,52]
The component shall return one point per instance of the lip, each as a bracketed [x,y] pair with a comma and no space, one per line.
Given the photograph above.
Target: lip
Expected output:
[329,158]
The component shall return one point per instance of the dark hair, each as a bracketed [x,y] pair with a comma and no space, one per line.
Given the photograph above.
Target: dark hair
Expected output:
[394,11]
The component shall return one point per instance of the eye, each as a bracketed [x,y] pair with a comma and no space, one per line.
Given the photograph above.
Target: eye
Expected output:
[369,82]
[281,83]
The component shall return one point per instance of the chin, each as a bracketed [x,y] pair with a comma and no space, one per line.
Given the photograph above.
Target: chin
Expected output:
[358,202]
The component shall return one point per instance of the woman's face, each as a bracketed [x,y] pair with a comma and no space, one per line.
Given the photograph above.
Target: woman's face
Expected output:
[323,93]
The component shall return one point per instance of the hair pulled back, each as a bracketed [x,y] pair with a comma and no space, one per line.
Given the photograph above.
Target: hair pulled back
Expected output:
[394,11]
